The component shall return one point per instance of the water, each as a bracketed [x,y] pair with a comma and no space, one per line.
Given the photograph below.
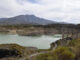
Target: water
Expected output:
[41,42]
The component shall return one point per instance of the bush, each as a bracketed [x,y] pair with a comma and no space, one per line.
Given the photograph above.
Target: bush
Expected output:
[61,53]
[72,43]
[43,57]
[76,50]
[64,53]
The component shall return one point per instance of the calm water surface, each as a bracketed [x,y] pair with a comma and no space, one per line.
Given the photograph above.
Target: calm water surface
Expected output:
[41,42]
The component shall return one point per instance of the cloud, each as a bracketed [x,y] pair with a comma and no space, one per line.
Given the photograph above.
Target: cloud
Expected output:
[33,1]
[58,10]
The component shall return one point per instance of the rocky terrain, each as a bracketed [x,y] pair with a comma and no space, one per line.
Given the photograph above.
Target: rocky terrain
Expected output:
[15,52]
[37,30]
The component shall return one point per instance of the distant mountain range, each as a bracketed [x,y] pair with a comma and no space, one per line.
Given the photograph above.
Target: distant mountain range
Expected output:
[26,19]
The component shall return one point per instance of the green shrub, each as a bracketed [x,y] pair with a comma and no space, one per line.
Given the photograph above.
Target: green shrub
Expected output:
[76,51]
[43,57]
[64,53]
[61,53]
[72,43]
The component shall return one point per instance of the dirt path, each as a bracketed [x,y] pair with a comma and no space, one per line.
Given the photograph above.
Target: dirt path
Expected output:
[36,54]
[33,55]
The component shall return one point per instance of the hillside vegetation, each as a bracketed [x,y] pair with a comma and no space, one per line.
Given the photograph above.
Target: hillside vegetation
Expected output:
[69,52]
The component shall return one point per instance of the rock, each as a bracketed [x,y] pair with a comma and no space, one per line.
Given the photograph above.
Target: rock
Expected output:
[61,42]
[5,53]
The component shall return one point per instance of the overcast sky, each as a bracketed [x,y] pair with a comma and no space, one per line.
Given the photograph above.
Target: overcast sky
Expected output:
[57,10]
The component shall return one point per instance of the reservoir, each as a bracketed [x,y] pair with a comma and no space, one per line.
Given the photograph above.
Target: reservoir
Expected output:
[41,42]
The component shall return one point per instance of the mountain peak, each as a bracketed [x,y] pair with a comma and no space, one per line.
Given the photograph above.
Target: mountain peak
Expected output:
[26,19]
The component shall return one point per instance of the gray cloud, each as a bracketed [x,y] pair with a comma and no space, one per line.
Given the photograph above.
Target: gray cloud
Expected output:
[59,10]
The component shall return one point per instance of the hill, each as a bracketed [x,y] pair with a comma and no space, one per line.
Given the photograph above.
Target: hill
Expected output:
[25,19]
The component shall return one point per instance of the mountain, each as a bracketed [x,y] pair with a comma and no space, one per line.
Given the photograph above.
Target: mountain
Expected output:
[25,19]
